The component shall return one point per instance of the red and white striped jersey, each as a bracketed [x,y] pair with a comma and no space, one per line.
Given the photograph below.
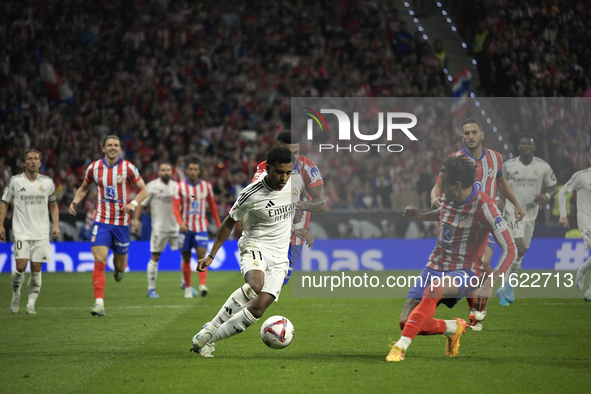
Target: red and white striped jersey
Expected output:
[489,167]
[463,233]
[311,177]
[190,202]
[112,189]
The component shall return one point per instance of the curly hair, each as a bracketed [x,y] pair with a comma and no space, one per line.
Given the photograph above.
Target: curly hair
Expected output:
[279,155]
[459,168]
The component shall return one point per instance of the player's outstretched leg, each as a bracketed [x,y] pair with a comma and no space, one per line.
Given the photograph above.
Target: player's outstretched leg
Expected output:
[233,305]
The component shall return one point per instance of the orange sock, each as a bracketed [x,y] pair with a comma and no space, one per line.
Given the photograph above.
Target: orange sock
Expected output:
[421,318]
[433,327]
[203,277]
[187,273]
[98,279]
[470,301]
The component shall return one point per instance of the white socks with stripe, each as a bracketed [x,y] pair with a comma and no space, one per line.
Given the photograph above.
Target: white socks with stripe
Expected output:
[17,281]
[34,286]
[234,304]
[235,325]
[152,274]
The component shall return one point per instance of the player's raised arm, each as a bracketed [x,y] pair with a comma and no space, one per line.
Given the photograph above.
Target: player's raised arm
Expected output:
[318,202]
[436,195]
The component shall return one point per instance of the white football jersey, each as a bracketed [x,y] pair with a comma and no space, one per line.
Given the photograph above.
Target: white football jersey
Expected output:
[30,220]
[526,181]
[160,201]
[267,215]
[581,182]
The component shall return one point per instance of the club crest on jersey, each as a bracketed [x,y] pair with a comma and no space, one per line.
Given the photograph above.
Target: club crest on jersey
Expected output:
[255,263]
[536,171]
[462,222]
[294,192]
[41,188]
[119,178]
[490,173]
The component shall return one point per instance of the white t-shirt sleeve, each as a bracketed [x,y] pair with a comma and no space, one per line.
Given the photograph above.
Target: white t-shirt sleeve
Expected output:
[239,211]
[549,177]
[8,194]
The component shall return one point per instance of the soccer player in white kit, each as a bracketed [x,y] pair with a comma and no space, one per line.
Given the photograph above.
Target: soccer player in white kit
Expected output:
[31,193]
[165,229]
[580,182]
[526,175]
[267,208]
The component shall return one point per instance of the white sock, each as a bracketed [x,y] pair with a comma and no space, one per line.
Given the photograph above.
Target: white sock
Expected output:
[586,266]
[235,325]
[403,343]
[152,274]
[451,327]
[234,304]
[34,286]
[99,301]
[513,269]
[17,281]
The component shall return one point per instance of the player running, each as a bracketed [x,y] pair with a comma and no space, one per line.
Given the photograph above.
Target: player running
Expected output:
[112,176]
[263,249]
[191,198]
[466,218]
[31,193]
[165,229]
[526,175]
[489,176]
[312,199]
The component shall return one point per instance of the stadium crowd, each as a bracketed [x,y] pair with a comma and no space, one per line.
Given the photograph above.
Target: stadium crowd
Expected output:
[214,79]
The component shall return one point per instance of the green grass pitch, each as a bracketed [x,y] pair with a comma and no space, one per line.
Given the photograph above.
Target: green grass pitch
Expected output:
[142,345]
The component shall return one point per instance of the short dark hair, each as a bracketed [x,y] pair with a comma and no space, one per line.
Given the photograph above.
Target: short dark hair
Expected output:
[111,137]
[26,152]
[471,121]
[164,162]
[279,155]
[459,168]
[193,160]
[526,135]
[288,137]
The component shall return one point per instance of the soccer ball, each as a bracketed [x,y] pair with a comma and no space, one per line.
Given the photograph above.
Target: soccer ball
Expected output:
[277,332]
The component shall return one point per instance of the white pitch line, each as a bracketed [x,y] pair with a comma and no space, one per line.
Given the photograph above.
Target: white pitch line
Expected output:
[115,307]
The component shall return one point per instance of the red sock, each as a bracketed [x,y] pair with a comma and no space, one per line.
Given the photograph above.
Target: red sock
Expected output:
[470,301]
[422,316]
[433,327]
[98,279]
[187,273]
[203,277]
